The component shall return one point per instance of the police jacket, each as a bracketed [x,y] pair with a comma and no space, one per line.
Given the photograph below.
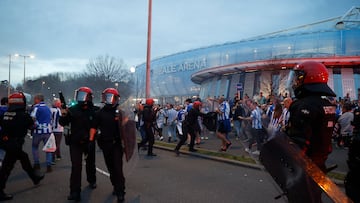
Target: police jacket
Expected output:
[108,120]
[80,119]
[191,119]
[311,124]
[14,127]
[148,116]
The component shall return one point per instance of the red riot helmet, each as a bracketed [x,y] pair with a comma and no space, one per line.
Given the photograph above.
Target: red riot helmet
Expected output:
[197,105]
[83,94]
[312,77]
[17,101]
[149,101]
[110,96]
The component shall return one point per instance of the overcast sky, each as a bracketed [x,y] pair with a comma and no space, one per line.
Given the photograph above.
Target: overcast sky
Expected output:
[63,35]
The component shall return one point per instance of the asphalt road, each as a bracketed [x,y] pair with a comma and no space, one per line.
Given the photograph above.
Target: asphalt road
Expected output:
[164,178]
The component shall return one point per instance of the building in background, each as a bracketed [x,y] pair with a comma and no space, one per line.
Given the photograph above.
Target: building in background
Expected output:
[259,64]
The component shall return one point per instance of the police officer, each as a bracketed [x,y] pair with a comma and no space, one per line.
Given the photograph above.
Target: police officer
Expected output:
[80,116]
[148,118]
[190,126]
[109,121]
[312,117]
[352,179]
[15,123]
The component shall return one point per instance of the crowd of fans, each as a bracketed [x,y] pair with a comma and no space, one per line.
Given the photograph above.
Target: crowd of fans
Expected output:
[272,111]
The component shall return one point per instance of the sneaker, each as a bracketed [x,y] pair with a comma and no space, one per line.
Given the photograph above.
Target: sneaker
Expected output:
[202,138]
[206,138]
[257,152]
[247,150]
[161,138]
[228,145]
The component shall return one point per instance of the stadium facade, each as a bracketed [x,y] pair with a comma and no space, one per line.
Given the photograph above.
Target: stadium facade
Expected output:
[259,64]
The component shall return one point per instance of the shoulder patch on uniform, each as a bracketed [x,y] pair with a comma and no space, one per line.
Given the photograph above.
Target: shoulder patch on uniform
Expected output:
[305,111]
[329,109]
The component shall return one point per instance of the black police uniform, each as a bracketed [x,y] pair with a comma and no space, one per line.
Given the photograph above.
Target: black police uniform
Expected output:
[190,126]
[107,120]
[352,179]
[14,125]
[311,123]
[80,118]
[149,118]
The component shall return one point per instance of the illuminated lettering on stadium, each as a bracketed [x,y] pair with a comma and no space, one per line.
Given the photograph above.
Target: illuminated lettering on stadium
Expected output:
[186,66]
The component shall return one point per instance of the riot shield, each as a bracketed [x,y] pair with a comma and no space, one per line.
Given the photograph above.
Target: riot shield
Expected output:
[299,178]
[129,139]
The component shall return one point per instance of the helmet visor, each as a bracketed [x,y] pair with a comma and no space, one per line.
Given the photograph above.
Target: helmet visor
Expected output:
[109,98]
[81,96]
[295,79]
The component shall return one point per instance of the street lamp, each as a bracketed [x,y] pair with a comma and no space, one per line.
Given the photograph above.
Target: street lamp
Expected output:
[148,53]
[133,71]
[9,75]
[24,56]
[351,16]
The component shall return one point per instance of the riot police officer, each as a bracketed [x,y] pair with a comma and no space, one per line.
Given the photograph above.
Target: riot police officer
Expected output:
[79,117]
[109,120]
[148,121]
[352,179]
[190,126]
[312,118]
[14,124]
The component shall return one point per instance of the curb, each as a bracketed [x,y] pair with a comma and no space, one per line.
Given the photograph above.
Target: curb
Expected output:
[220,159]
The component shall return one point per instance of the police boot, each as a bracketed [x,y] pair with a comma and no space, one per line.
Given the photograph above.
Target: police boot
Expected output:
[36,177]
[74,196]
[120,194]
[150,153]
[120,197]
[4,196]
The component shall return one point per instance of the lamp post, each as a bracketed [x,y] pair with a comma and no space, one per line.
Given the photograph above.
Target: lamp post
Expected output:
[133,72]
[148,58]
[24,56]
[9,74]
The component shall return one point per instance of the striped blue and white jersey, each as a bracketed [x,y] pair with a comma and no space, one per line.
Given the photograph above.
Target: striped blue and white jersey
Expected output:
[42,117]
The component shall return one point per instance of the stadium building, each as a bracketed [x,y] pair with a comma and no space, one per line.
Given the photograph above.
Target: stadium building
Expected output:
[259,64]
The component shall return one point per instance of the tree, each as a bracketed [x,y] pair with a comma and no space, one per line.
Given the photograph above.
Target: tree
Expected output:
[108,68]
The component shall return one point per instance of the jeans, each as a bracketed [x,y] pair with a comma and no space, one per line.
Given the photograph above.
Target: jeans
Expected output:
[237,126]
[171,130]
[37,138]
[257,136]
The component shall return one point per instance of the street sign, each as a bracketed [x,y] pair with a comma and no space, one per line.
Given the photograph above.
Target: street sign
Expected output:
[239,87]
